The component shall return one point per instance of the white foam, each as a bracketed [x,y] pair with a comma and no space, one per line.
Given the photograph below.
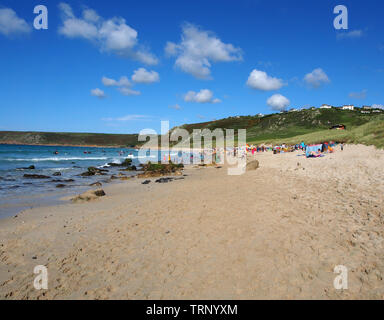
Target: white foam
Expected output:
[56,159]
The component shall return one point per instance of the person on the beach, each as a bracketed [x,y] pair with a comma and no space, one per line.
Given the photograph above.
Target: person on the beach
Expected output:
[342,146]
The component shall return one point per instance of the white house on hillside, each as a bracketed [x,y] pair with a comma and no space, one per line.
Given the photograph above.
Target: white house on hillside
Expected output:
[348,107]
[326,106]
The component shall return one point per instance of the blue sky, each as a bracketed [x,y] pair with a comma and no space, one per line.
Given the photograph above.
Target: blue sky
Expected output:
[122,66]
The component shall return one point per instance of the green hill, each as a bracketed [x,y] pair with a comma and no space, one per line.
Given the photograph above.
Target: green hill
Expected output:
[65,138]
[310,125]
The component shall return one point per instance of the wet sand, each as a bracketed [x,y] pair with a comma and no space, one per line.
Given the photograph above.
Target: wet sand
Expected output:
[276,232]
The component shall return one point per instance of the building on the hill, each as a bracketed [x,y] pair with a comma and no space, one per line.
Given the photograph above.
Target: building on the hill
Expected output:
[348,107]
[367,108]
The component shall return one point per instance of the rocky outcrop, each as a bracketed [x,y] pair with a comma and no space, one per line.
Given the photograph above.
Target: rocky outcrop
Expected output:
[92,171]
[96,184]
[127,163]
[35,176]
[253,165]
[89,196]
[159,169]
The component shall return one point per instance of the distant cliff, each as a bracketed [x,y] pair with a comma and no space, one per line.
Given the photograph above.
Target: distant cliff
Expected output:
[68,139]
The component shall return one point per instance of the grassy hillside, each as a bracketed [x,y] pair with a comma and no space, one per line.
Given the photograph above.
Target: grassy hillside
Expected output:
[57,138]
[310,125]
[371,133]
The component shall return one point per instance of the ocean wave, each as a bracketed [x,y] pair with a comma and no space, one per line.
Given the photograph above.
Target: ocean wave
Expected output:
[55,159]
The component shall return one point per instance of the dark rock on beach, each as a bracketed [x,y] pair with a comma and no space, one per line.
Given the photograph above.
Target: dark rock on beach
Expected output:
[159,169]
[253,165]
[56,174]
[146,182]
[96,184]
[127,162]
[35,176]
[60,185]
[164,180]
[89,195]
[92,171]
[99,193]
[112,164]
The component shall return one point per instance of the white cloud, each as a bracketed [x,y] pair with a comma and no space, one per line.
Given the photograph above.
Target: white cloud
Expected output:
[90,15]
[259,80]
[141,75]
[128,91]
[98,93]
[10,23]
[350,34]
[123,85]
[316,78]
[278,102]
[108,82]
[359,95]
[378,106]
[198,49]
[203,96]
[176,107]
[111,35]
[130,117]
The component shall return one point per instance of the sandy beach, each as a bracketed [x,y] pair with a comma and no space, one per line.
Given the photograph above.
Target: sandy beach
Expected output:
[273,233]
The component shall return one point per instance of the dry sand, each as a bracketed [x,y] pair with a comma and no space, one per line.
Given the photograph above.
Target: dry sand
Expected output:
[276,232]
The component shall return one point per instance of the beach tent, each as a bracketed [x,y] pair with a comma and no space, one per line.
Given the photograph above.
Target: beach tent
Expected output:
[312,148]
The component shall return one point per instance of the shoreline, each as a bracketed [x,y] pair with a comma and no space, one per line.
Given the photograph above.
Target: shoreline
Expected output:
[62,145]
[273,233]
[95,146]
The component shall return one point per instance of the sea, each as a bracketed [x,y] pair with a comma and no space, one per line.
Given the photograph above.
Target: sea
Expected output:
[61,163]
[18,193]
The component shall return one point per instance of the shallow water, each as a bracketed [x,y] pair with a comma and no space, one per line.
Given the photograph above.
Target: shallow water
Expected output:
[18,193]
